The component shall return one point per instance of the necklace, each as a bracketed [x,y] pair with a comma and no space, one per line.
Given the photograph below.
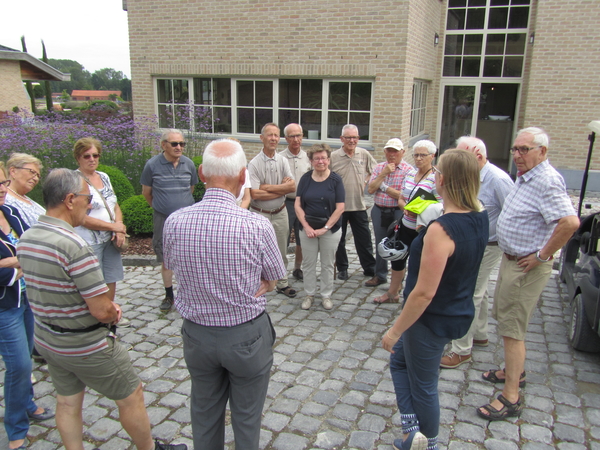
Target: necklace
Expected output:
[25,199]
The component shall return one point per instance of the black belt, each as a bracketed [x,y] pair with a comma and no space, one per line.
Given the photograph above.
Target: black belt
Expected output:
[511,257]
[393,208]
[79,330]
[493,243]
[261,314]
[268,211]
[290,199]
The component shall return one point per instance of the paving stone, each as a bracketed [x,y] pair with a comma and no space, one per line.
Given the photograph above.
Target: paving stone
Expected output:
[345,412]
[536,433]
[569,433]
[363,439]
[104,429]
[288,441]
[307,425]
[275,422]
[329,439]
[371,422]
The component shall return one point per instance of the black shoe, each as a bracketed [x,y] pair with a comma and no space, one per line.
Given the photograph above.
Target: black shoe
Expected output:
[298,274]
[343,275]
[167,304]
[46,414]
[369,273]
[159,446]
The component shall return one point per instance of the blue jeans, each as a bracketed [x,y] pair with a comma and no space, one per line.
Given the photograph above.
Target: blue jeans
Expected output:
[16,344]
[415,366]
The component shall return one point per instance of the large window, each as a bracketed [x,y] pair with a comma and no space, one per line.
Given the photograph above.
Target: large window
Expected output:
[242,106]
[485,38]
[418,107]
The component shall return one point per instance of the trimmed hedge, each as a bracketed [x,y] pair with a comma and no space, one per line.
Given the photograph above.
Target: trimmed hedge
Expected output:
[120,183]
[137,215]
[200,188]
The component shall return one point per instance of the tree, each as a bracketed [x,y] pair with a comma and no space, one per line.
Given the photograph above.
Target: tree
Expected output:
[49,104]
[80,78]
[28,84]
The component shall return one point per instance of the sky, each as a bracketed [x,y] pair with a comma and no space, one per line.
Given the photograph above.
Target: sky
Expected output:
[94,33]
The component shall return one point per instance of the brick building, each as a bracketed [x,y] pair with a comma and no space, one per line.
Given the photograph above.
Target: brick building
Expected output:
[83,95]
[410,69]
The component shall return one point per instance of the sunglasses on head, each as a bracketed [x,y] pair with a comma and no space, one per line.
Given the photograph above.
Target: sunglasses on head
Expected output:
[93,155]
[175,144]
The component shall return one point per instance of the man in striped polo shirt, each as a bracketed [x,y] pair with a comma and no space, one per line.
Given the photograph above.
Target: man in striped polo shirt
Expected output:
[75,318]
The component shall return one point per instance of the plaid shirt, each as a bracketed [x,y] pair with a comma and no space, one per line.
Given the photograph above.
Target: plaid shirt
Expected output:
[219,253]
[532,209]
[393,180]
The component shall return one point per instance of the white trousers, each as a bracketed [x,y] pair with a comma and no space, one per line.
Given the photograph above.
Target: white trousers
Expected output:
[326,246]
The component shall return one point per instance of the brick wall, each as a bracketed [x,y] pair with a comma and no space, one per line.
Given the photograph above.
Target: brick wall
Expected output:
[12,91]
[562,93]
[352,39]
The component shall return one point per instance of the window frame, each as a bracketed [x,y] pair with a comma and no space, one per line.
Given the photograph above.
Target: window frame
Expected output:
[324,110]
[418,107]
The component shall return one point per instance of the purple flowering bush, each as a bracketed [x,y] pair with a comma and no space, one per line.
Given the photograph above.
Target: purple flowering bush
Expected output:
[127,143]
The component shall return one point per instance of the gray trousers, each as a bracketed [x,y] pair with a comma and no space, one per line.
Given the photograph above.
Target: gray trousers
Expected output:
[228,363]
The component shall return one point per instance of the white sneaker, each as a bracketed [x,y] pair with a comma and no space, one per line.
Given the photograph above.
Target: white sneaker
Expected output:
[124,323]
[327,303]
[307,303]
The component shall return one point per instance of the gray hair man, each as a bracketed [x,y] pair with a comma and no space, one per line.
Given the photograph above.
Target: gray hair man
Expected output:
[537,219]
[355,165]
[271,180]
[495,186]
[75,317]
[299,165]
[225,258]
[168,181]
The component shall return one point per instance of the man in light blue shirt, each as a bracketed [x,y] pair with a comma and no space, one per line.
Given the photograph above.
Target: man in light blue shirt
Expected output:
[495,186]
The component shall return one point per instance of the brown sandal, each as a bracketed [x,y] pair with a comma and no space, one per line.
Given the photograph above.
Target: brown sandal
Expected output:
[491,376]
[508,410]
[386,298]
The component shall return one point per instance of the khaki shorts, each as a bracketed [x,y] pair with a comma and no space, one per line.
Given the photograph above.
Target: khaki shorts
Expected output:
[516,296]
[108,372]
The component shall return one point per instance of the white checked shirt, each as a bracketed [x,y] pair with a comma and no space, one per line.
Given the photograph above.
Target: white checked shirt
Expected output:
[532,209]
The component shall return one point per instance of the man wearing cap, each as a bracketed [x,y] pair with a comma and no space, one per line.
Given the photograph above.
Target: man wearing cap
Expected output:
[386,183]
[354,164]
[299,165]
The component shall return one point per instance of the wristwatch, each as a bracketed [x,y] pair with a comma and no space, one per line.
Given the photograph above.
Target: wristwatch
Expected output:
[537,255]
[326,227]
[383,187]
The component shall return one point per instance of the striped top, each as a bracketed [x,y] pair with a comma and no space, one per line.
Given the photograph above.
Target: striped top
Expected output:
[61,273]
[410,188]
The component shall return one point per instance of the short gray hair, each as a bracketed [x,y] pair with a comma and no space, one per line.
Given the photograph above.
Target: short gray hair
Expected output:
[164,137]
[472,144]
[223,157]
[426,144]
[540,137]
[60,183]
[287,127]
[348,126]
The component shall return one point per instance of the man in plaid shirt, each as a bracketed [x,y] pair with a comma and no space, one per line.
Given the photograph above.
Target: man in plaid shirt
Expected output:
[225,258]
[537,219]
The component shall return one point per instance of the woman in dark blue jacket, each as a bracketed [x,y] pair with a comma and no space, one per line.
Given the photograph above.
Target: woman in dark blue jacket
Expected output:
[16,328]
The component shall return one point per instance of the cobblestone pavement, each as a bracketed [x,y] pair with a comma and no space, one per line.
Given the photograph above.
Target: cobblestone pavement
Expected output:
[330,385]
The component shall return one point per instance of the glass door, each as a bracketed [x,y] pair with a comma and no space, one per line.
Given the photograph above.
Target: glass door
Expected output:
[457,114]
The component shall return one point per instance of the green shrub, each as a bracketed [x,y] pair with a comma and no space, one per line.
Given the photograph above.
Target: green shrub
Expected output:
[200,188]
[137,215]
[120,183]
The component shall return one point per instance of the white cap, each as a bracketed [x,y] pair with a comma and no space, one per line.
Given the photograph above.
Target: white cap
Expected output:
[395,143]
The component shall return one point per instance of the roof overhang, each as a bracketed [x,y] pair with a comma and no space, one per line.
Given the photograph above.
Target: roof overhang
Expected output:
[32,69]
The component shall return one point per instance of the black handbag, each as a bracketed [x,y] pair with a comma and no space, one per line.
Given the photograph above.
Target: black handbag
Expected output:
[315,222]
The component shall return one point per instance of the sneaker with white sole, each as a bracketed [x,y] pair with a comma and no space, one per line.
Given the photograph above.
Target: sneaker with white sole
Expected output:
[307,302]
[327,303]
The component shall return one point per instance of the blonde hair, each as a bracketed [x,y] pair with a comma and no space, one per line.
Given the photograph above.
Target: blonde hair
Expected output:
[84,144]
[20,159]
[461,178]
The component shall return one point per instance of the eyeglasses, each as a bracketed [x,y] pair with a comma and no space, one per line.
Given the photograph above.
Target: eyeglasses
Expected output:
[89,197]
[5,183]
[175,144]
[295,136]
[522,150]
[31,171]
[93,155]
[420,155]
[320,159]
[435,169]
[351,138]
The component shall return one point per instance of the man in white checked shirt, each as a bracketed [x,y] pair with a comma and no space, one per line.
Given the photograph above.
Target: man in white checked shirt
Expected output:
[537,219]
[225,258]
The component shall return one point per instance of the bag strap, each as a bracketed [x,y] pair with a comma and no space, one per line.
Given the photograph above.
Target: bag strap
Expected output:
[112,218]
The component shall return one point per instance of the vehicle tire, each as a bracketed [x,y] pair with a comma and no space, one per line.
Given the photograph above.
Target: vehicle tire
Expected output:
[581,334]
[561,266]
